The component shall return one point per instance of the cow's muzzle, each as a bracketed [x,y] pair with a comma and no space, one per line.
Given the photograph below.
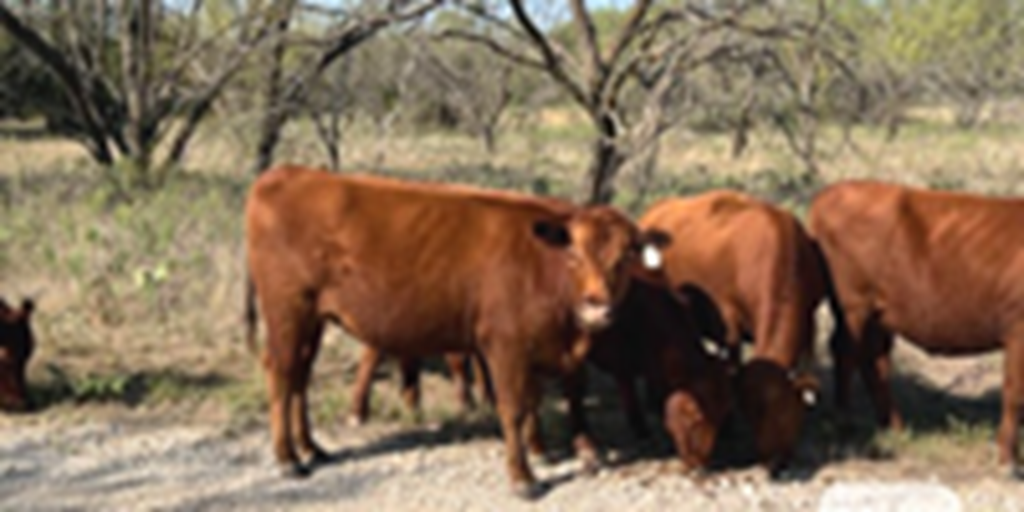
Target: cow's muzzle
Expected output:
[593,316]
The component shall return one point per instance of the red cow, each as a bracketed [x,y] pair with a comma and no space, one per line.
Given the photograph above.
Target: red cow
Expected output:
[751,264]
[941,269]
[750,271]
[414,269]
[16,346]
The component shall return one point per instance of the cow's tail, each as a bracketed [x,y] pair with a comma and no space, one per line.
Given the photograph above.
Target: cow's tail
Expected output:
[250,315]
[831,296]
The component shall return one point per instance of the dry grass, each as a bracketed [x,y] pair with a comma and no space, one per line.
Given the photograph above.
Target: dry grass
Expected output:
[140,302]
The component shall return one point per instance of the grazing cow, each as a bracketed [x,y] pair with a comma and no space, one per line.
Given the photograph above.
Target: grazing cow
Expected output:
[16,346]
[749,267]
[942,269]
[414,269]
[772,402]
[754,273]
[458,366]
[653,336]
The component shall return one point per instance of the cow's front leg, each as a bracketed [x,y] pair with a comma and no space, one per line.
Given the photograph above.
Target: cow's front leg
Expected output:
[574,386]
[513,385]
[631,404]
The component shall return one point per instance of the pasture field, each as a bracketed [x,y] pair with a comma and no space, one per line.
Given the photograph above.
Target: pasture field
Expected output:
[150,399]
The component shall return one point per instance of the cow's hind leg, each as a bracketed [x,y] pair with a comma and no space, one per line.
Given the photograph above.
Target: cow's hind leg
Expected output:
[300,395]
[482,376]
[286,324]
[410,370]
[876,370]
[1013,403]
[846,346]
[458,368]
[368,363]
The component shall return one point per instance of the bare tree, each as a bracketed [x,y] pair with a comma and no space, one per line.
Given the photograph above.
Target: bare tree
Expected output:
[629,79]
[288,91]
[477,88]
[127,111]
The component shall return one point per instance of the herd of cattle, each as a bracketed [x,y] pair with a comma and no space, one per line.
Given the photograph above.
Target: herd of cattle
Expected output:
[520,287]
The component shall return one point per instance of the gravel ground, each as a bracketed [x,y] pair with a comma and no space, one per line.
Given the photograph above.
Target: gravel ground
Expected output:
[131,465]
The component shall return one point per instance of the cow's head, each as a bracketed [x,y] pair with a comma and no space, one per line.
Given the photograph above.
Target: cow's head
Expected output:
[603,248]
[16,346]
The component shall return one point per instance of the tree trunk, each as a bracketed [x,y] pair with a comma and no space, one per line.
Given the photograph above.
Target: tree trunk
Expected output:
[607,160]
[136,54]
[72,81]
[329,131]
[274,111]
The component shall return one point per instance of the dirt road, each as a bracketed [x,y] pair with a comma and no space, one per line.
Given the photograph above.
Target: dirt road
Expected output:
[149,465]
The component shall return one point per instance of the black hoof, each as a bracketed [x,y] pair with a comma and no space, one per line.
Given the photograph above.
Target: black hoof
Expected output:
[319,457]
[1016,472]
[529,491]
[293,471]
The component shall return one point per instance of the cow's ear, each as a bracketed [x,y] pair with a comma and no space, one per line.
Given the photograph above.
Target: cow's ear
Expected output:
[27,306]
[552,232]
[656,237]
[651,245]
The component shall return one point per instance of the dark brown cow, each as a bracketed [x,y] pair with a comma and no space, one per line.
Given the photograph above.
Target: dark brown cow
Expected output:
[945,270]
[419,269]
[16,346]
[458,367]
[653,336]
[773,403]
[751,263]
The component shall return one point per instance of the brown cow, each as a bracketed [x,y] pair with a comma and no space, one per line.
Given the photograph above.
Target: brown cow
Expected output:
[751,264]
[754,273]
[773,403]
[415,269]
[16,346]
[942,269]
[458,367]
[653,336]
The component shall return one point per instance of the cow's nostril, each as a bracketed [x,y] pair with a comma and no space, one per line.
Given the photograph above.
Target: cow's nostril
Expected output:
[594,300]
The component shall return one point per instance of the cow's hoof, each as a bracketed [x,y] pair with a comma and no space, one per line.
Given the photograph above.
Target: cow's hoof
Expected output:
[698,474]
[592,464]
[318,457]
[1016,472]
[529,491]
[293,470]
[355,420]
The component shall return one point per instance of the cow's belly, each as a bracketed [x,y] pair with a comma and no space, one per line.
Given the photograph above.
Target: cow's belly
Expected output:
[943,327]
[403,320]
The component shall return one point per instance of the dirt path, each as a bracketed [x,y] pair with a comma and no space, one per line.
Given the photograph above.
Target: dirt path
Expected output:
[132,465]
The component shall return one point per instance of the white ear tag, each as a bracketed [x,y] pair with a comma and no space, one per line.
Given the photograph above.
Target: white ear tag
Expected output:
[809,397]
[652,257]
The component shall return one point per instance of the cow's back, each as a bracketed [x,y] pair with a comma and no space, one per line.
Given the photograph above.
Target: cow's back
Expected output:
[747,255]
[943,269]
[374,248]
